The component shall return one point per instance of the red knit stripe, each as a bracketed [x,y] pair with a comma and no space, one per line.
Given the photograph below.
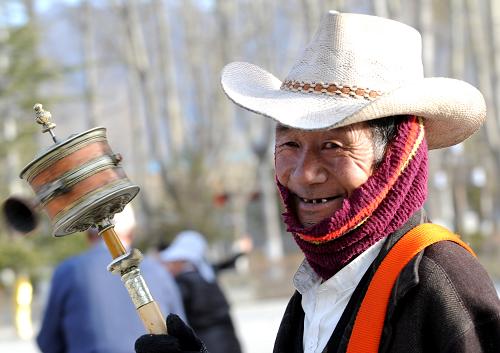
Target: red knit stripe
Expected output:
[414,135]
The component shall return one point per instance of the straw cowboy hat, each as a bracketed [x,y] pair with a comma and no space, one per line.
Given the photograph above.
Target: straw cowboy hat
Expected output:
[357,68]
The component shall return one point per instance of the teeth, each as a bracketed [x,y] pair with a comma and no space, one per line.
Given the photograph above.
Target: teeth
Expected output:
[315,201]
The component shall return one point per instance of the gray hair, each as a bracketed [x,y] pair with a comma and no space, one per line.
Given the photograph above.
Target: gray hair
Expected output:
[383,132]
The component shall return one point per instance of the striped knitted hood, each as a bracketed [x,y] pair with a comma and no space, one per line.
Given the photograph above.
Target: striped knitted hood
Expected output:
[389,197]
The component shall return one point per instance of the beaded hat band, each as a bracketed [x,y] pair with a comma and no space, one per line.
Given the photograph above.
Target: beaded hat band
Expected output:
[358,68]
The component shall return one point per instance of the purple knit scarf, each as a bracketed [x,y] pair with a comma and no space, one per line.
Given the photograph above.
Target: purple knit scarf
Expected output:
[396,190]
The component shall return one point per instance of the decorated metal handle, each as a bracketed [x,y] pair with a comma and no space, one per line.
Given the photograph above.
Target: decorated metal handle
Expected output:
[126,264]
[146,307]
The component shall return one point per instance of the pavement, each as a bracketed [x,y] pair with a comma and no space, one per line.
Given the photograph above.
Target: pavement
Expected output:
[10,343]
[256,322]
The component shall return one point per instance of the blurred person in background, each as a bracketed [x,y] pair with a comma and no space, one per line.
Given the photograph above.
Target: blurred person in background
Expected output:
[206,306]
[241,248]
[238,259]
[355,120]
[89,310]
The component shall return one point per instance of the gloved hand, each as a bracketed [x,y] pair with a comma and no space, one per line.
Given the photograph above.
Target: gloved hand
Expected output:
[180,339]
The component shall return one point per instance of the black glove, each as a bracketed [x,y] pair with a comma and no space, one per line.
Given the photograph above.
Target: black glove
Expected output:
[180,339]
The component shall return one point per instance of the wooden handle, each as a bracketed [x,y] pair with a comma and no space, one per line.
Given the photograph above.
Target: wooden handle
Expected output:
[152,318]
[113,242]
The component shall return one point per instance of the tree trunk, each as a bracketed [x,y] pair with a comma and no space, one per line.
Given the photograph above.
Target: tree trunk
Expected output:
[380,8]
[171,108]
[485,71]
[90,67]
[271,212]
[140,63]
[263,141]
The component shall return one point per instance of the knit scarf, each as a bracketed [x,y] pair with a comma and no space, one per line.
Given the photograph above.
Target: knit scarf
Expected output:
[390,196]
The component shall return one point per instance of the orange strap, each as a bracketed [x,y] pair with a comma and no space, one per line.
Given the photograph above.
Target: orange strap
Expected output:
[365,337]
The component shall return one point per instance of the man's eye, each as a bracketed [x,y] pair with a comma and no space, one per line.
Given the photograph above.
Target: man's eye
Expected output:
[290,144]
[330,145]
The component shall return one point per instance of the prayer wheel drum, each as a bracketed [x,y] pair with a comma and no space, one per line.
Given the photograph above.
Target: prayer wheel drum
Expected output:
[79,182]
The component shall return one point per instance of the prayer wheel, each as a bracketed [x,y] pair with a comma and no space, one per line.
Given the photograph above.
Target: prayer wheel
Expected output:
[79,182]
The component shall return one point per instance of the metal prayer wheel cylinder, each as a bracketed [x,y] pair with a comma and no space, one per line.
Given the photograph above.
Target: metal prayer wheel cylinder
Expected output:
[79,182]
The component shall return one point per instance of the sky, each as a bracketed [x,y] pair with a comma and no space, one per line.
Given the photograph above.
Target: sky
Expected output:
[12,13]
[44,5]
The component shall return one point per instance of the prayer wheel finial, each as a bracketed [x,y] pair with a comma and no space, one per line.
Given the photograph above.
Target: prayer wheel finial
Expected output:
[43,117]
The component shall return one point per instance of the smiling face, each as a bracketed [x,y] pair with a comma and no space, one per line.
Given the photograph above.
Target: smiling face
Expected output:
[322,168]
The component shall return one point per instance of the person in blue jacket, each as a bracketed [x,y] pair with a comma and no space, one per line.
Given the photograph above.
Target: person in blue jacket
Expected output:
[89,309]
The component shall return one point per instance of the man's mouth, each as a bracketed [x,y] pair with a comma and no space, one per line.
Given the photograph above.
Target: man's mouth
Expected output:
[316,201]
[311,211]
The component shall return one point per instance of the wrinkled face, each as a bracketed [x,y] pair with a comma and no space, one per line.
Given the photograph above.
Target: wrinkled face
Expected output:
[322,168]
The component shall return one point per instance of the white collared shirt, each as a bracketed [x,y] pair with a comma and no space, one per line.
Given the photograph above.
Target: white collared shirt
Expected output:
[324,303]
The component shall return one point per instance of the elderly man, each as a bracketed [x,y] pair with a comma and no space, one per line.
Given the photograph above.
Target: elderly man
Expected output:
[355,119]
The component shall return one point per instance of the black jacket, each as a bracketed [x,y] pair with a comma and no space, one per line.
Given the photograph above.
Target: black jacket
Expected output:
[207,311]
[443,301]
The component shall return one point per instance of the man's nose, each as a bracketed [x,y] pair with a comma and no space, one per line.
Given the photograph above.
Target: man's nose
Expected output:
[310,170]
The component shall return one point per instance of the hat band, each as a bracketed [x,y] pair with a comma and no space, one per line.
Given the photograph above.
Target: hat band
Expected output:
[332,89]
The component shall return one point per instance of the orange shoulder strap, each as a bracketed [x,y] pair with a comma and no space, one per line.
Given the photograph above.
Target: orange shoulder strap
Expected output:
[367,330]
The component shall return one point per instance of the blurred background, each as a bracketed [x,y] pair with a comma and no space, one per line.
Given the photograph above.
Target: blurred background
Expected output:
[148,71]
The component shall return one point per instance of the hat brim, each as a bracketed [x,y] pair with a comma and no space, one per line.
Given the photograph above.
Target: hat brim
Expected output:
[452,109]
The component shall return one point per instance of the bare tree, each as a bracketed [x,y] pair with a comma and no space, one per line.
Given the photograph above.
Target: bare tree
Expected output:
[140,64]
[90,67]
[485,69]
[170,108]
[380,8]
[261,142]
[494,11]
